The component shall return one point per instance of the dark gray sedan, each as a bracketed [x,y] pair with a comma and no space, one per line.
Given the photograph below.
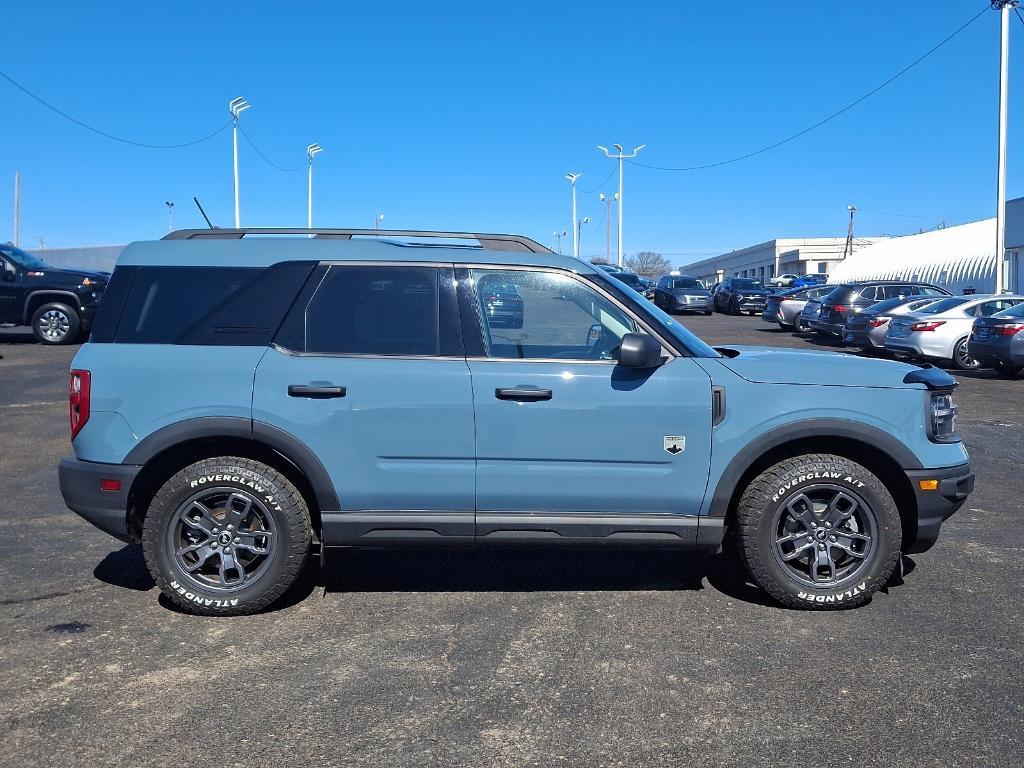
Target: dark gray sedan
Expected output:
[679,293]
[998,341]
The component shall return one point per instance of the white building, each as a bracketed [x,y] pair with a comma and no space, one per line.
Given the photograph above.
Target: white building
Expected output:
[792,256]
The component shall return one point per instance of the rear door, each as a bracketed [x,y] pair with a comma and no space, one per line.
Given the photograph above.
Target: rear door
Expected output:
[368,372]
[570,445]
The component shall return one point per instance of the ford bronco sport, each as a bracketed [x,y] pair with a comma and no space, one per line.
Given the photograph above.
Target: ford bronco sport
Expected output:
[243,398]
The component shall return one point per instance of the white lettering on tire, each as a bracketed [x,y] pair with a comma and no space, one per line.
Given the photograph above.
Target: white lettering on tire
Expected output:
[200,600]
[837,597]
[789,485]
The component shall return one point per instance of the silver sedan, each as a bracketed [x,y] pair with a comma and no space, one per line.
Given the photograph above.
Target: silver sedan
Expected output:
[867,329]
[785,308]
[942,329]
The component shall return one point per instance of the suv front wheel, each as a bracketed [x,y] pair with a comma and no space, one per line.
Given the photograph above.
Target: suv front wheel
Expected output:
[226,536]
[55,323]
[818,531]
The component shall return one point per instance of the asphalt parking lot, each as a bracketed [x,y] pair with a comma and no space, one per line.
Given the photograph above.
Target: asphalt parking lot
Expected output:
[505,658]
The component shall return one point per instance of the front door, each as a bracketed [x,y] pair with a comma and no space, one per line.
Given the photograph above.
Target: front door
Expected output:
[12,293]
[569,444]
[370,375]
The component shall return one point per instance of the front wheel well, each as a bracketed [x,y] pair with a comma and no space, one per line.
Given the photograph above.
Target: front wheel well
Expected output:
[164,465]
[880,463]
[38,299]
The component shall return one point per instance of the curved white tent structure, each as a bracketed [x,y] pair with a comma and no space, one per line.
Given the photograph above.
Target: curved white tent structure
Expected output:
[955,258]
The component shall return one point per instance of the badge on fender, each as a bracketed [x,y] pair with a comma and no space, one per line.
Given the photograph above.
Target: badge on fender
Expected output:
[675,444]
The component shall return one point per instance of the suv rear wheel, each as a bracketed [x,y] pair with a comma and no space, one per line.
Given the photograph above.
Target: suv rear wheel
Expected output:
[818,531]
[226,536]
[55,323]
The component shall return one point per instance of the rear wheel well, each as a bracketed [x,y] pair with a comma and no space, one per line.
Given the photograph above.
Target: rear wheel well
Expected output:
[164,465]
[881,464]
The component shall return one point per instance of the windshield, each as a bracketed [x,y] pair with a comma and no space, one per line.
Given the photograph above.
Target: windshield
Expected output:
[22,258]
[684,282]
[747,284]
[1014,311]
[943,304]
[658,318]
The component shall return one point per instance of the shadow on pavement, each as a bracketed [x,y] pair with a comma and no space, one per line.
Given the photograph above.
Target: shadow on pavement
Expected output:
[125,568]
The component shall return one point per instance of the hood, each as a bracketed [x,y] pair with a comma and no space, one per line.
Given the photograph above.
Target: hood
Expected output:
[67,276]
[752,292]
[775,365]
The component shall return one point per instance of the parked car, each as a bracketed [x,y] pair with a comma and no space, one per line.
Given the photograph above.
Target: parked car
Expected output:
[740,294]
[851,298]
[941,330]
[610,267]
[866,329]
[785,308]
[785,281]
[679,293]
[241,396]
[998,341]
[810,279]
[58,303]
[635,282]
[502,304]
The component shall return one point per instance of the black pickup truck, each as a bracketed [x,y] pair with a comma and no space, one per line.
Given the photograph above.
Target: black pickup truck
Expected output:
[59,304]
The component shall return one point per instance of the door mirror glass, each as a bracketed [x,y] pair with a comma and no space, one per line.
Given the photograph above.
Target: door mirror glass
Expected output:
[594,335]
[639,350]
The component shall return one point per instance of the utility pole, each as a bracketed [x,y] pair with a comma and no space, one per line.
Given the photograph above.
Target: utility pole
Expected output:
[559,236]
[575,229]
[236,107]
[376,222]
[311,151]
[848,248]
[620,157]
[608,224]
[1004,7]
[579,233]
[170,215]
[17,206]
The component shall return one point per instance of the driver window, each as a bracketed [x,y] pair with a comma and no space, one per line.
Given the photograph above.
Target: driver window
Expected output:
[547,315]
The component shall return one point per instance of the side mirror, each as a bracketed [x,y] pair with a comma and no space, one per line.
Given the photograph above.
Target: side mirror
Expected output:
[639,350]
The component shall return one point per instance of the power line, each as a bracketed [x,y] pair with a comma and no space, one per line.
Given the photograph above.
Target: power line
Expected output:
[602,185]
[110,136]
[831,117]
[266,159]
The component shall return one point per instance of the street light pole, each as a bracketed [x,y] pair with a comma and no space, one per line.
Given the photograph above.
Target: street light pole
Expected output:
[377,220]
[608,223]
[620,157]
[311,151]
[575,233]
[1004,7]
[236,107]
[579,233]
[170,215]
[559,235]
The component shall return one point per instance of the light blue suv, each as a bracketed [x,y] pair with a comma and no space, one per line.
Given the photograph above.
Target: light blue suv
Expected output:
[244,398]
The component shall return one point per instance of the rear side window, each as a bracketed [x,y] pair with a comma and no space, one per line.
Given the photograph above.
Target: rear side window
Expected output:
[375,311]
[221,306]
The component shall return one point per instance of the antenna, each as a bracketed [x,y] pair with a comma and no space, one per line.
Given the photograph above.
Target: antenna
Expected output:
[200,207]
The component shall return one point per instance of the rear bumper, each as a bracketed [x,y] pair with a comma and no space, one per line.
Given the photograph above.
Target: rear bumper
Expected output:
[80,487]
[987,352]
[836,329]
[933,507]
[859,338]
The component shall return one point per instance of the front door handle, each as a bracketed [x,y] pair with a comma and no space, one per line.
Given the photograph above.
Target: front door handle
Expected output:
[522,395]
[317,393]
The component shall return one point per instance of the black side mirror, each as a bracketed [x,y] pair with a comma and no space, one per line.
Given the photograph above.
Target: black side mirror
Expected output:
[639,350]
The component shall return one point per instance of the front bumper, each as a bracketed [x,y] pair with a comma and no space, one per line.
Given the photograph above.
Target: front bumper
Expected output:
[752,304]
[80,487]
[935,506]
[694,303]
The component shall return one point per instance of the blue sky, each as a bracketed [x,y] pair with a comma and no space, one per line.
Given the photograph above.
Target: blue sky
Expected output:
[468,117]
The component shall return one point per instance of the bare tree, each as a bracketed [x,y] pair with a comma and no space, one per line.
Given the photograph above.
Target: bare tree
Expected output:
[648,264]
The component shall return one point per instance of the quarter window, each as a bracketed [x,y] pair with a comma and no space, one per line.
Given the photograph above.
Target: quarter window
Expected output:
[544,315]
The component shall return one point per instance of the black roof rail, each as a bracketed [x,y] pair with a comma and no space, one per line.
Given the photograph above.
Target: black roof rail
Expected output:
[490,242]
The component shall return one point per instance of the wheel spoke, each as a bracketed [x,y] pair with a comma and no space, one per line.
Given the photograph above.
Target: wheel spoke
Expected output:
[840,509]
[236,509]
[820,560]
[204,522]
[792,537]
[852,535]
[801,508]
[257,542]
[848,550]
[229,565]
[798,551]
[203,552]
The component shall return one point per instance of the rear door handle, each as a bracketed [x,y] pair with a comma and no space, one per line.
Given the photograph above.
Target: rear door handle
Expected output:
[522,395]
[317,393]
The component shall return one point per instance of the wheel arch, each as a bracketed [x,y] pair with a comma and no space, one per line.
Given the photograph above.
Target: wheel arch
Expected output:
[877,451]
[36,299]
[172,448]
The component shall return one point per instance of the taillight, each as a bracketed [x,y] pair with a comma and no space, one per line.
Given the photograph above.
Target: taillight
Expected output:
[1007,330]
[927,325]
[79,390]
[878,322]
[840,308]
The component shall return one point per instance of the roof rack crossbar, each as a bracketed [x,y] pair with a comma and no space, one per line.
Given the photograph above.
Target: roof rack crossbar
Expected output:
[491,242]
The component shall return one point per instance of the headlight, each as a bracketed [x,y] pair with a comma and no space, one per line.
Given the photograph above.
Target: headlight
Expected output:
[942,413]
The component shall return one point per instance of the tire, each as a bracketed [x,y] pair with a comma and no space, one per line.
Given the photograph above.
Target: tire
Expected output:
[962,358]
[773,538]
[177,532]
[1007,370]
[707,313]
[785,326]
[55,323]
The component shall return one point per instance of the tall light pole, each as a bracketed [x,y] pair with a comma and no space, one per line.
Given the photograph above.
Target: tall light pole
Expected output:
[377,220]
[608,223]
[170,215]
[1004,7]
[620,157]
[17,207]
[575,229]
[848,247]
[578,233]
[559,235]
[311,151]
[236,107]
